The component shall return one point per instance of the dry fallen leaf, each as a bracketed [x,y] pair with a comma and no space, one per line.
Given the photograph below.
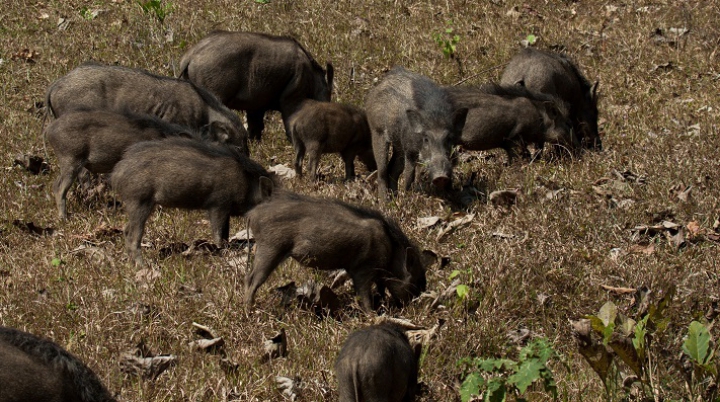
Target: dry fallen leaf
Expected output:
[215,345]
[456,224]
[289,386]
[32,229]
[141,361]
[276,346]
[503,198]
[640,249]
[619,290]
[282,171]
[427,222]
[32,163]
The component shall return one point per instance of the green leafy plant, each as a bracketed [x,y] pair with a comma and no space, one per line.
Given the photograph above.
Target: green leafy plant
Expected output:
[462,290]
[262,1]
[157,9]
[698,347]
[630,340]
[447,40]
[86,14]
[496,379]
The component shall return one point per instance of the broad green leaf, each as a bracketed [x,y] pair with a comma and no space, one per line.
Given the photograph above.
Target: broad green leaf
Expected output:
[496,391]
[607,333]
[462,291]
[454,274]
[471,386]
[607,313]
[490,365]
[596,324]
[697,343]
[527,373]
[531,39]
[56,262]
[639,338]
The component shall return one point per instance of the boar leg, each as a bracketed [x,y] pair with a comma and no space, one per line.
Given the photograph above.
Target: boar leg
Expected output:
[138,213]
[314,154]
[256,124]
[395,166]
[220,225]
[409,171]
[349,160]
[62,185]
[266,260]
[380,149]
[368,159]
[299,155]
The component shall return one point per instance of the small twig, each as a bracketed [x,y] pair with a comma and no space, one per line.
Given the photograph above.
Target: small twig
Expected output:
[478,73]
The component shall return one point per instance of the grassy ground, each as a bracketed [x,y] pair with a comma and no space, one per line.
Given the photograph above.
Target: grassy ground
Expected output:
[659,114]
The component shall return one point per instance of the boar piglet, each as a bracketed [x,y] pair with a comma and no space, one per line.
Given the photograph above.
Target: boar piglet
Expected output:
[329,235]
[38,370]
[257,72]
[318,128]
[413,115]
[183,173]
[510,116]
[121,89]
[96,139]
[377,364]
[556,74]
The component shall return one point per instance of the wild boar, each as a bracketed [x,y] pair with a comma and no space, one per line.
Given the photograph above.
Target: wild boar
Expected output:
[556,74]
[96,139]
[122,89]
[413,115]
[257,72]
[510,116]
[329,235]
[319,128]
[38,370]
[377,364]
[183,173]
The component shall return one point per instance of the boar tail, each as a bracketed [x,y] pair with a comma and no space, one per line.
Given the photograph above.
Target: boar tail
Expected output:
[48,112]
[184,63]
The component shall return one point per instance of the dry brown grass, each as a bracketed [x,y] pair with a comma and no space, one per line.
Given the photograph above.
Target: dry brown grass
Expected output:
[561,248]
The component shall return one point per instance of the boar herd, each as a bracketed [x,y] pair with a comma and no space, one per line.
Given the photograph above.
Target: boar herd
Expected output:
[177,143]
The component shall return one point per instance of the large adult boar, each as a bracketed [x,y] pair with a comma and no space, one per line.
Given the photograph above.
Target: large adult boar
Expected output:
[257,72]
[508,117]
[189,174]
[330,235]
[413,115]
[557,75]
[319,128]
[96,139]
[377,364]
[121,89]
[38,370]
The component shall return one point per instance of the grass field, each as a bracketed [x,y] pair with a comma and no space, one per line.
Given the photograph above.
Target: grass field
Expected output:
[535,266]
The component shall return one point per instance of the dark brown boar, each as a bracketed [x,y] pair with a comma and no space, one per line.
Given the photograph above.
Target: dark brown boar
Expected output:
[413,115]
[122,89]
[188,174]
[319,128]
[96,139]
[329,235]
[38,370]
[257,72]
[377,364]
[556,74]
[509,116]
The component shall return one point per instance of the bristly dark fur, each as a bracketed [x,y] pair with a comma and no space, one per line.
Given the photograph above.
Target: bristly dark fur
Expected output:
[568,61]
[86,382]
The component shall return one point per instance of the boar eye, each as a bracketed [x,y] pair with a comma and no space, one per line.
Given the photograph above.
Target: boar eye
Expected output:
[425,140]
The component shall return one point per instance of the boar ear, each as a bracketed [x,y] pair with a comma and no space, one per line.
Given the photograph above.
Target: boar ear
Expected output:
[428,258]
[266,187]
[520,83]
[330,75]
[458,119]
[593,91]
[417,121]
[552,110]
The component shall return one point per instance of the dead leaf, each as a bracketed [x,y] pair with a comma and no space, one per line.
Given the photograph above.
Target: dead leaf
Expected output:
[319,298]
[595,353]
[676,239]
[422,337]
[446,294]
[427,222]
[680,192]
[503,198]
[514,12]
[664,67]
[243,235]
[26,55]
[619,290]
[62,24]
[693,228]
[32,163]
[31,228]
[146,277]
[276,346]
[214,346]
[519,336]
[340,277]
[203,331]
[456,224]
[289,386]
[282,171]
[141,361]
[640,249]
